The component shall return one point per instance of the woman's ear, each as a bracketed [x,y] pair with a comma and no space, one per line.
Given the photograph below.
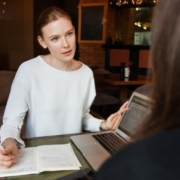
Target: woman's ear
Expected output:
[41,42]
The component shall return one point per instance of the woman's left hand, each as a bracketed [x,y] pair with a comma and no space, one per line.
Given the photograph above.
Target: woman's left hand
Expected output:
[113,119]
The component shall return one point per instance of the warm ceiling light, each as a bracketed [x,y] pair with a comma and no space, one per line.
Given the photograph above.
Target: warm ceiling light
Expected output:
[138,2]
[133,2]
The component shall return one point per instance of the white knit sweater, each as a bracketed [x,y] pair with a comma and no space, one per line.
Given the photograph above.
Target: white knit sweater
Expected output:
[57,101]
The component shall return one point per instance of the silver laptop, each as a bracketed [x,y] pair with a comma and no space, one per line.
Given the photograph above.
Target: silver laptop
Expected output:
[92,145]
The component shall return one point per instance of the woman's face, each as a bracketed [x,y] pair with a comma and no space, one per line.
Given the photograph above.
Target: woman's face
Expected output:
[59,38]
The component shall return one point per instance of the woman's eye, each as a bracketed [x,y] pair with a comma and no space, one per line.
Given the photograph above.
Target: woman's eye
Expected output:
[69,33]
[54,39]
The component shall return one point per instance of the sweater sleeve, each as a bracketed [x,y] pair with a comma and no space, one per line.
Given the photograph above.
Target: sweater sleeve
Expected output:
[91,123]
[15,111]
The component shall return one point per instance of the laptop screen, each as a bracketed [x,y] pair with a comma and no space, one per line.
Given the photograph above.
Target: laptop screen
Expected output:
[139,109]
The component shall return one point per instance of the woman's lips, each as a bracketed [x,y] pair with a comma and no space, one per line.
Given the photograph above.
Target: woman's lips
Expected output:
[67,53]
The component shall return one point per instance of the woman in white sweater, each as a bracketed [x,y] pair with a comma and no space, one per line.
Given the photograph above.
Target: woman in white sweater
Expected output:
[56,90]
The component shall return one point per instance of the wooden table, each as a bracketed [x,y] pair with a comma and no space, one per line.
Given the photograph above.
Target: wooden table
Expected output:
[50,175]
[115,80]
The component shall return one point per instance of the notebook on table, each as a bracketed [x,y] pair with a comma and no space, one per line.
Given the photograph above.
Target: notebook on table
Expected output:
[92,145]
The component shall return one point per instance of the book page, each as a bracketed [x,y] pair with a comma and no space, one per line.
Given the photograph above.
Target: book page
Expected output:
[26,164]
[56,157]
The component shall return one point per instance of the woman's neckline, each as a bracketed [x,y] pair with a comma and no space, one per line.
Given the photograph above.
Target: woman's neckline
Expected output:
[44,62]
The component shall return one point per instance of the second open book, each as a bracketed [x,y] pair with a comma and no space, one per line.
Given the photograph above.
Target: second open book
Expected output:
[34,160]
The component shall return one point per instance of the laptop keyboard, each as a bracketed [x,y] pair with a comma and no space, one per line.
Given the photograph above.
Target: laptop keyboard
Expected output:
[109,141]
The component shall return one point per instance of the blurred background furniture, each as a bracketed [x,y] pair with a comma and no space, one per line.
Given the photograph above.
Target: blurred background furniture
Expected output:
[6,79]
[144,66]
[114,57]
[2,108]
[106,101]
[102,87]
[146,89]
[118,56]
[105,104]
[93,66]
[123,85]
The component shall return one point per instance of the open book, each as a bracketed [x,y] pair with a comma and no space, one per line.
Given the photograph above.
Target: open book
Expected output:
[34,160]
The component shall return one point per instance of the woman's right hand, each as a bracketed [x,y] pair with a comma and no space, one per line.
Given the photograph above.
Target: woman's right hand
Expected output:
[113,119]
[8,153]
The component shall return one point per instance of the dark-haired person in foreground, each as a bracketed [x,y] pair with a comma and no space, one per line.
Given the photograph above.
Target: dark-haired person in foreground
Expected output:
[155,153]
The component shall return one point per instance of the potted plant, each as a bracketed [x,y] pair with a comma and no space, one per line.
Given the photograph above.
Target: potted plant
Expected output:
[117,34]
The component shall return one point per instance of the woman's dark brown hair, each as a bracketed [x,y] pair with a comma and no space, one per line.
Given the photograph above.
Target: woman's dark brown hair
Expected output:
[49,15]
[165,58]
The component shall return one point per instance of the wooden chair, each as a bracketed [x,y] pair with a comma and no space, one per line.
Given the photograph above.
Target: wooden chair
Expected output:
[102,87]
[145,89]
[144,59]
[2,108]
[114,58]
[6,79]
[105,102]
[119,55]
[144,63]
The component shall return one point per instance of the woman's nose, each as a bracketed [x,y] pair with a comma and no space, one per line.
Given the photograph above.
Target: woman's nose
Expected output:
[65,43]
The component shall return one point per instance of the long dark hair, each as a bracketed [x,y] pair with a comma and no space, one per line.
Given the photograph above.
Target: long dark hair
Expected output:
[165,58]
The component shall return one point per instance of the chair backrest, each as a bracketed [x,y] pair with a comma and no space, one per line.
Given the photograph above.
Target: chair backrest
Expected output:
[119,55]
[101,72]
[146,89]
[2,108]
[144,65]
[97,77]
[6,79]
[144,59]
